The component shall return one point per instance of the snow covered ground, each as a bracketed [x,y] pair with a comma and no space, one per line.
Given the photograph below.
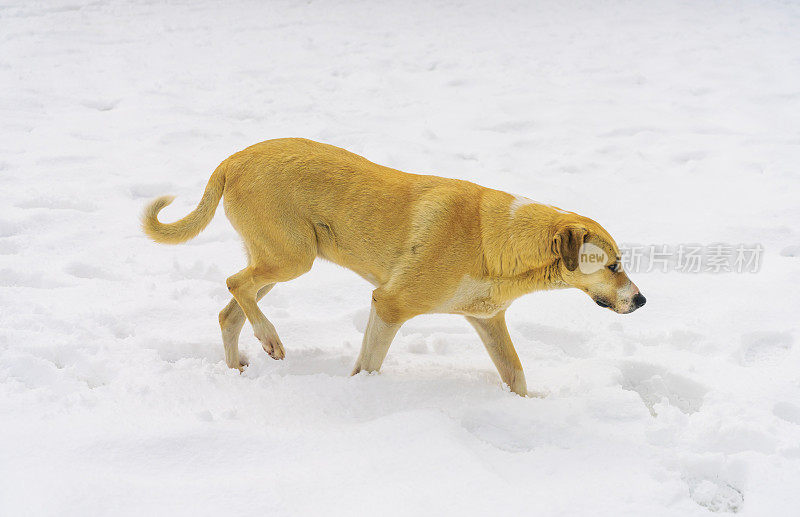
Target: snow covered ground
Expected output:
[668,122]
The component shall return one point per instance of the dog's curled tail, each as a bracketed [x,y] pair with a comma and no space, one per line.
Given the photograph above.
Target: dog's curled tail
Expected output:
[191,225]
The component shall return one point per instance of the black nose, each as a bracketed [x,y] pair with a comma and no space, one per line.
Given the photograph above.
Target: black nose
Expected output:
[639,300]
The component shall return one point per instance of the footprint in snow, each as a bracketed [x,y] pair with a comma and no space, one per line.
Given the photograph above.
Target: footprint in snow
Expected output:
[712,482]
[791,251]
[8,247]
[716,495]
[502,431]
[654,383]
[513,126]
[787,411]
[18,278]
[150,190]
[64,160]
[100,104]
[51,203]
[199,270]
[89,271]
[689,156]
[9,228]
[629,131]
[764,348]
[573,343]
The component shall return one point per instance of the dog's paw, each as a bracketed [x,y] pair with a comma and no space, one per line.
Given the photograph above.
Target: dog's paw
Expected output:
[272,346]
[238,363]
[269,339]
[275,350]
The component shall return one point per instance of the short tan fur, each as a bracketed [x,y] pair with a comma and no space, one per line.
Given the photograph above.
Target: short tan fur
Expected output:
[428,244]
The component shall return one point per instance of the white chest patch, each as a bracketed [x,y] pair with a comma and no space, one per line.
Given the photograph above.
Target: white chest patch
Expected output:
[472,297]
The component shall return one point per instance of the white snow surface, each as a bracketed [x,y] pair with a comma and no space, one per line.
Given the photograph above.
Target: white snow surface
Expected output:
[667,122]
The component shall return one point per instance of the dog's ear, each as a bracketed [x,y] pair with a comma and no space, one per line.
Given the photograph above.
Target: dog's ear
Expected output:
[567,245]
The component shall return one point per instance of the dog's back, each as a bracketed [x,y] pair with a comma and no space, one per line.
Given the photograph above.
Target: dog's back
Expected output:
[359,214]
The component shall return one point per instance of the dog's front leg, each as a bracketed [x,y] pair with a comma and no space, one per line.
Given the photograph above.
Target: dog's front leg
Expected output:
[377,338]
[494,334]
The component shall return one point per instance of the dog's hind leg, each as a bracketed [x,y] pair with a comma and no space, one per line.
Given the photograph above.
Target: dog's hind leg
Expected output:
[245,286]
[494,334]
[231,321]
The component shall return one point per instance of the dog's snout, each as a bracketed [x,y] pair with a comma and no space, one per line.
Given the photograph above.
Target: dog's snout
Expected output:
[639,300]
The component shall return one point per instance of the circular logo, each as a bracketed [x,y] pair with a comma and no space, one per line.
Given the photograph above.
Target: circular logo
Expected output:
[591,258]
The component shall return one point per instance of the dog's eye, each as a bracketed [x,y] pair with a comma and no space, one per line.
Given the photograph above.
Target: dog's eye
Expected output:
[613,267]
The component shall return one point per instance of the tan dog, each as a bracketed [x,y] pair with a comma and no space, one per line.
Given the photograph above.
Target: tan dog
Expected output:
[429,245]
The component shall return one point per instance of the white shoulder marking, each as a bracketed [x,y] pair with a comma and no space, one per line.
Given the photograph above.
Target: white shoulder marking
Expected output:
[518,202]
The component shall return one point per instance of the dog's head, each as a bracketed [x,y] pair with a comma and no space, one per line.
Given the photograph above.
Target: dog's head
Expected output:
[589,260]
